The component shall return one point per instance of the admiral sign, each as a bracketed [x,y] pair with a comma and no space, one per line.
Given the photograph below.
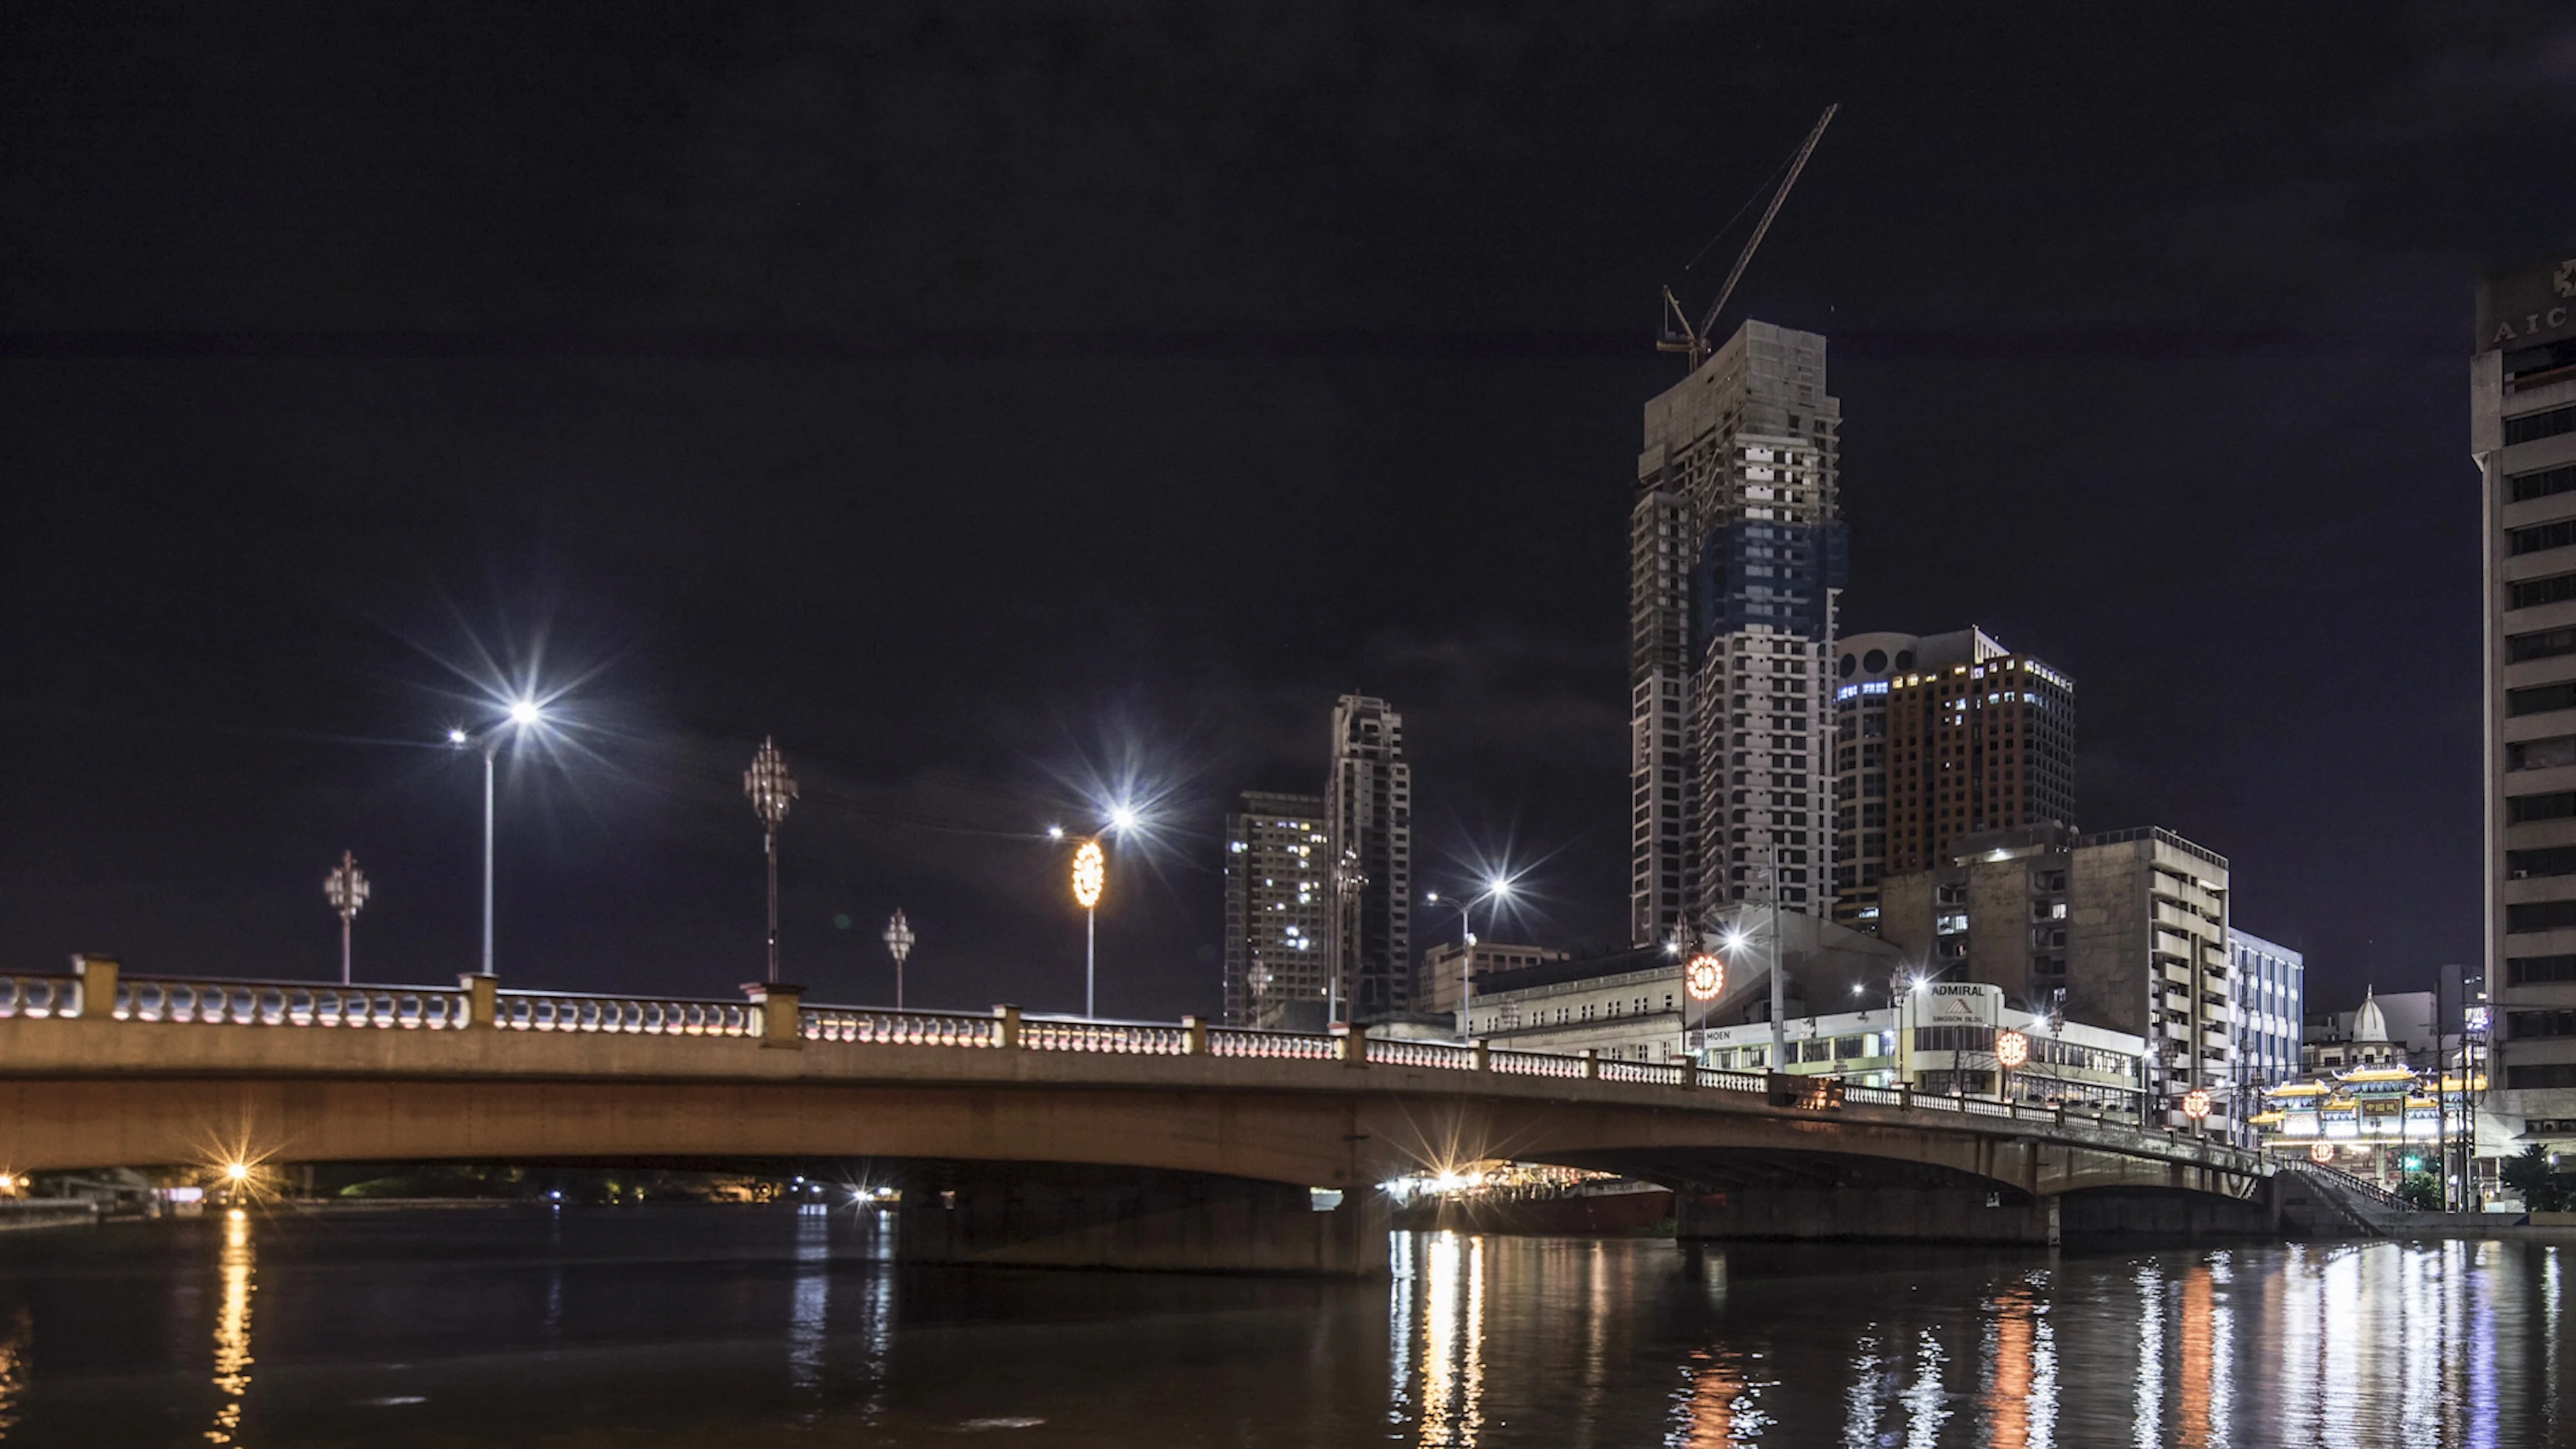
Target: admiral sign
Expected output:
[2528,306]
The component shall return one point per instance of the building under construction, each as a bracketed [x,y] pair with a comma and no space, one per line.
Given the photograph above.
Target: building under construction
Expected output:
[1737,558]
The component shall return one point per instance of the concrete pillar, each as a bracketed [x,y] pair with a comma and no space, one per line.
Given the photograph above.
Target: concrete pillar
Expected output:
[778,1004]
[1056,1215]
[1354,1038]
[97,985]
[1193,1037]
[1480,1057]
[1007,1034]
[1591,1064]
[482,999]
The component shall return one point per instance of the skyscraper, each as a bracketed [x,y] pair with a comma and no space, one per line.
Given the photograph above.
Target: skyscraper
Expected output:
[2522,432]
[1278,912]
[1368,804]
[1735,561]
[1940,737]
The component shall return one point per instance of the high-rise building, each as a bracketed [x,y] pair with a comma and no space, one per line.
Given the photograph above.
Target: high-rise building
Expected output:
[2271,1008]
[1278,912]
[1736,559]
[1368,806]
[2126,930]
[2522,431]
[1978,739]
[1938,736]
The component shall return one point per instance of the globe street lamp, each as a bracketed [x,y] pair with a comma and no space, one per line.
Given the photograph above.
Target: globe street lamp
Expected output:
[898,939]
[346,888]
[524,714]
[771,789]
[2011,1050]
[1090,877]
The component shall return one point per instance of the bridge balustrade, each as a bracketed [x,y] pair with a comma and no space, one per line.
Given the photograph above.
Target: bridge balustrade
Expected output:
[1241,1042]
[647,1016]
[1074,1034]
[38,996]
[900,1028]
[1439,1055]
[1663,1073]
[1534,1064]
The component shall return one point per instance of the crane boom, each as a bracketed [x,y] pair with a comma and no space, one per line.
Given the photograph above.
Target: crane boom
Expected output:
[1695,341]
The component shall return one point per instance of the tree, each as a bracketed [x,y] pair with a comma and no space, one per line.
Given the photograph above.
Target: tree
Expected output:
[2543,1187]
[2421,1190]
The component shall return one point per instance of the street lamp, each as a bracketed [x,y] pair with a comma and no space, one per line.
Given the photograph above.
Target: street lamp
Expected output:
[1496,888]
[898,939]
[771,789]
[525,714]
[1090,876]
[2011,1050]
[346,889]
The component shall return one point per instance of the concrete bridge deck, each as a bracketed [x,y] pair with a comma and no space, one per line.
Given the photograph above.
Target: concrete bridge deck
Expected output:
[101,1069]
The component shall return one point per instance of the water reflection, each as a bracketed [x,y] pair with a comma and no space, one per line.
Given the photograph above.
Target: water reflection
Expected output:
[232,1328]
[13,1368]
[809,1299]
[1453,1340]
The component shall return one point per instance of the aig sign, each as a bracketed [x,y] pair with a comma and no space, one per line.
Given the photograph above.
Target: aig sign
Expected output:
[2528,306]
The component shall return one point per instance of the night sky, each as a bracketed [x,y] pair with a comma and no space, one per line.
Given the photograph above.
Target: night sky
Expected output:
[998,403]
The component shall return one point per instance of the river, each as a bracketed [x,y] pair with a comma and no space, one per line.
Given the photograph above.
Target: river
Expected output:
[657,1327]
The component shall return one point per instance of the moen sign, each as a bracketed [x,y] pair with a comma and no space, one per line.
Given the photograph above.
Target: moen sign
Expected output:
[2528,305]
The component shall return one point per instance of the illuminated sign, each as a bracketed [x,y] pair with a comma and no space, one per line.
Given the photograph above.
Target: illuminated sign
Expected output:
[1704,976]
[2195,1103]
[2012,1049]
[2531,305]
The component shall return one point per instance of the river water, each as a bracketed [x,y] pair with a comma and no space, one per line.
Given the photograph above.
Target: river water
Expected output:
[651,1328]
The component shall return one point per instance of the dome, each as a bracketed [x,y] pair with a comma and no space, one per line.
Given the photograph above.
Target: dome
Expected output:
[2369,1023]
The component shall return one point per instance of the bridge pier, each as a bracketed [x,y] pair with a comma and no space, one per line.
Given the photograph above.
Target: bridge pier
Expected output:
[1048,1215]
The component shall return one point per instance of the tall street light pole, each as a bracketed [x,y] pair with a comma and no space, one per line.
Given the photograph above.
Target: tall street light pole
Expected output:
[524,714]
[898,939]
[771,789]
[1090,877]
[1495,890]
[346,888]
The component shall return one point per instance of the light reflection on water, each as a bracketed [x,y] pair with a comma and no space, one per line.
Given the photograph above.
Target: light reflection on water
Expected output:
[735,1326]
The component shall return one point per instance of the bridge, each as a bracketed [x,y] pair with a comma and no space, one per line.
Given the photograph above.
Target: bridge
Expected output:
[1032,1139]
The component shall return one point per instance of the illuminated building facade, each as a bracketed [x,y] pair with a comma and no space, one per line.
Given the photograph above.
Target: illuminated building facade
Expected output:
[1278,912]
[2522,431]
[2125,930]
[1368,807]
[1736,558]
[1937,736]
[2271,1008]
[1436,992]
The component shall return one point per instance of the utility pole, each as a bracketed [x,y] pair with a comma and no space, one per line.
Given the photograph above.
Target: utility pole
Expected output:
[1779,962]
[346,887]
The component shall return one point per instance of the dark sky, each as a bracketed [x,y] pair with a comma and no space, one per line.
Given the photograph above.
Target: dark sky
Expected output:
[989,401]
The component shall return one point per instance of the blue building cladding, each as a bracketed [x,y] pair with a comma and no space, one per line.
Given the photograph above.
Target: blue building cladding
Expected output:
[2269,1007]
[1776,574]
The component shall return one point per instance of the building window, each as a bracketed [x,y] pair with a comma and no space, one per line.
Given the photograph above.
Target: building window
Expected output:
[2524,809]
[2540,698]
[2556,752]
[2538,970]
[2547,644]
[2532,593]
[2523,1024]
[2523,864]
[2541,536]
[2533,426]
[2532,916]
[2553,1074]
[2523,487]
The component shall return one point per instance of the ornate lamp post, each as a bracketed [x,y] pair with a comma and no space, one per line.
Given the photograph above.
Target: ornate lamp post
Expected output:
[2011,1050]
[2196,1105]
[1090,877]
[771,789]
[898,939]
[346,889]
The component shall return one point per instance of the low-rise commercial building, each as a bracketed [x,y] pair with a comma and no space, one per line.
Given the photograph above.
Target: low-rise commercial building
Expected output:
[1436,990]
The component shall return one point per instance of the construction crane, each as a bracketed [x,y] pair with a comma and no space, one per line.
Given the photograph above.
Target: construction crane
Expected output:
[1695,340]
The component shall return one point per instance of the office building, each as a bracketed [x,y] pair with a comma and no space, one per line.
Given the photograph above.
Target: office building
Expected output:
[1736,560]
[2522,432]
[1278,912]
[2271,1009]
[1368,804]
[1935,737]
[2125,930]
[1437,989]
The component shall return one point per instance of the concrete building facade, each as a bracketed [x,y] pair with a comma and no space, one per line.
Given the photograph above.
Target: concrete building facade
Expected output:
[2125,930]
[1437,988]
[1938,736]
[2271,1009]
[2522,436]
[1736,561]
[1368,803]
[1278,912]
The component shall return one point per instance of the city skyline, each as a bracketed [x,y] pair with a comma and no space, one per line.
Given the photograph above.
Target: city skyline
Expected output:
[266,504]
